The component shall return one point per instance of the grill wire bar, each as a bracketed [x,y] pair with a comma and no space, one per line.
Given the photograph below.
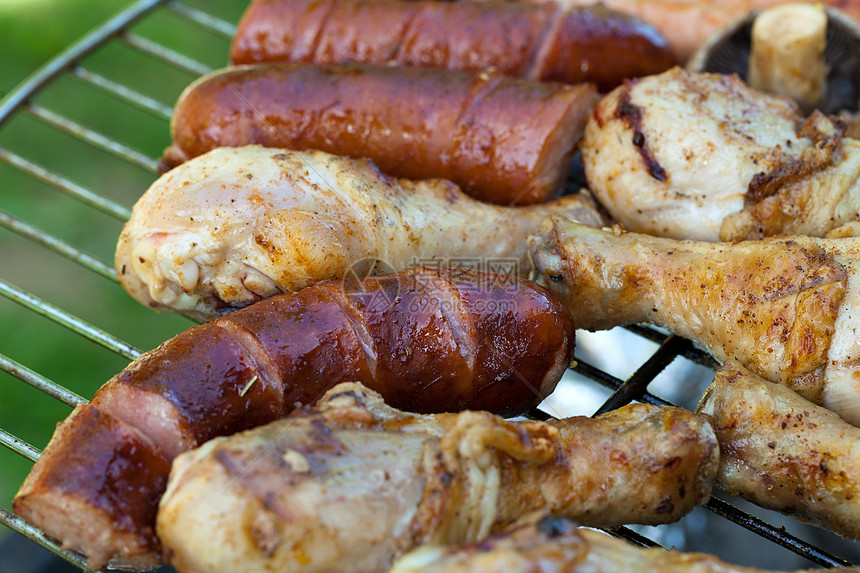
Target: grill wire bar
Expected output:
[166,55]
[70,188]
[39,382]
[61,248]
[19,446]
[74,53]
[15,523]
[68,63]
[119,91]
[94,138]
[70,321]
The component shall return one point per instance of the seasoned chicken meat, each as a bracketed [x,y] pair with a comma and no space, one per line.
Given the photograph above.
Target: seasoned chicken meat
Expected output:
[787,308]
[556,545]
[702,156]
[783,452]
[353,483]
[233,226]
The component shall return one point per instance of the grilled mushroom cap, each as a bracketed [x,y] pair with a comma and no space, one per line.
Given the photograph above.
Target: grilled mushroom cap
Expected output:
[728,52]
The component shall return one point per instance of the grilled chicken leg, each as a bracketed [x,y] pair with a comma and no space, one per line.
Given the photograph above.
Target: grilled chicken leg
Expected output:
[782,452]
[556,545]
[785,307]
[353,483]
[703,156]
[233,226]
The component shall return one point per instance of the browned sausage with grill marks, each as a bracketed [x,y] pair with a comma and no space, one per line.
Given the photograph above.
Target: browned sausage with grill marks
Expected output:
[96,487]
[501,139]
[427,340]
[544,42]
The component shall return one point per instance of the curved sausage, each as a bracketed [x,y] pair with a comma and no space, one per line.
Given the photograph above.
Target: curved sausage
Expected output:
[427,340]
[544,42]
[501,139]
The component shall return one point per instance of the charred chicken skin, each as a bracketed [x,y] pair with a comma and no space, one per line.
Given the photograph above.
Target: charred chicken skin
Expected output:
[352,483]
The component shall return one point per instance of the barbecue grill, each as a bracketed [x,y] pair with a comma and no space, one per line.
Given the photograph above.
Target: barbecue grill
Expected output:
[61,213]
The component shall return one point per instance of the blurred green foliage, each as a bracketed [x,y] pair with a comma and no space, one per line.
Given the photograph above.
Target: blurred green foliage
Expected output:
[31,33]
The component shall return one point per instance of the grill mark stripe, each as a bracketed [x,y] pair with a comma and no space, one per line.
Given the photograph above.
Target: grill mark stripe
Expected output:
[256,354]
[407,29]
[538,61]
[632,115]
[359,327]
[461,324]
[313,52]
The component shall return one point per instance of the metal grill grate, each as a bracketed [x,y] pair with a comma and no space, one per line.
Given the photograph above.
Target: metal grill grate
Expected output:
[82,190]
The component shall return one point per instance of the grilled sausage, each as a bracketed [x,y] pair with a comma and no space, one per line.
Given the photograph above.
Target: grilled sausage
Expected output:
[688,24]
[501,139]
[428,340]
[347,486]
[543,42]
[96,488]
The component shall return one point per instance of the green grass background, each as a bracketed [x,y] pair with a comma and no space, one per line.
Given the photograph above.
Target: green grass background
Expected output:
[31,33]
